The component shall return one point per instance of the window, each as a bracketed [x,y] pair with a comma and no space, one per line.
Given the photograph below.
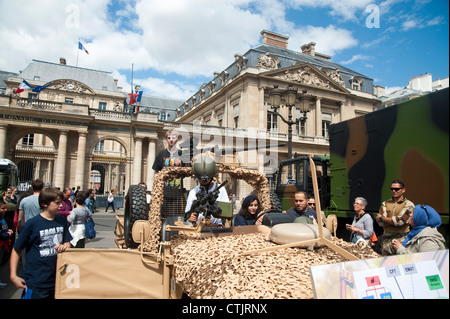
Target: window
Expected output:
[236,115]
[37,78]
[100,146]
[69,100]
[356,83]
[326,121]
[301,125]
[104,88]
[32,96]
[272,124]
[220,119]
[102,106]
[28,139]
[162,116]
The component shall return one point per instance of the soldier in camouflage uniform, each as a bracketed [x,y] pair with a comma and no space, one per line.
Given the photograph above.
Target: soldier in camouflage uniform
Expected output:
[393,216]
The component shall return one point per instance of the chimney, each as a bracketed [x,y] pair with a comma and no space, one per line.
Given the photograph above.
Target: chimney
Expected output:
[309,48]
[62,61]
[275,39]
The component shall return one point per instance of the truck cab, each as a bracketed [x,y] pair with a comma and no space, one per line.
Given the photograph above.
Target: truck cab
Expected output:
[295,175]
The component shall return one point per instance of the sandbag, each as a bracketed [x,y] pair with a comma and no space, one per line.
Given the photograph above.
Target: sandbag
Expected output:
[288,233]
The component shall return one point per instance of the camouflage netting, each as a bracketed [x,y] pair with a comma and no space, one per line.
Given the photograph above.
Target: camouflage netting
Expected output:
[214,268]
[254,178]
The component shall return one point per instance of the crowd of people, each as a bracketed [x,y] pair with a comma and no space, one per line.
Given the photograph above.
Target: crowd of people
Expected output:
[407,228]
[36,226]
[48,221]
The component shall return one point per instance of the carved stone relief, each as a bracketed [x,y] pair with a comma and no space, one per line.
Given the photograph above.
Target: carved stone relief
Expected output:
[334,75]
[305,76]
[71,86]
[268,61]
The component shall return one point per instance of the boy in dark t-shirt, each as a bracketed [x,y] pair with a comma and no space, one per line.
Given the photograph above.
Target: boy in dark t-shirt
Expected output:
[43,236]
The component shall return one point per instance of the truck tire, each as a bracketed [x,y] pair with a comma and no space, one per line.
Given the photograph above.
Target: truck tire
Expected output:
[136,208]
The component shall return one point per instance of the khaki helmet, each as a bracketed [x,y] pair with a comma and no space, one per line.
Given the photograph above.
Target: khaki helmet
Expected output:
[204,168]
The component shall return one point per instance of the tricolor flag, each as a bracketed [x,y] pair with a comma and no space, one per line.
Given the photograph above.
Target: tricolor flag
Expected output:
[23,87]
[82,48]
[139,97]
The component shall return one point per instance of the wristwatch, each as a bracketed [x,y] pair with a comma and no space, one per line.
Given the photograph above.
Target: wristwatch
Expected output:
[380,219]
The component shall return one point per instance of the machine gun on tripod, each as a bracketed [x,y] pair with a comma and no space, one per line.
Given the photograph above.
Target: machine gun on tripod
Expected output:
[206,203]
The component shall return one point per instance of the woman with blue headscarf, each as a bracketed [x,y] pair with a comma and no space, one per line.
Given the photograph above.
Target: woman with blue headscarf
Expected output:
[424,235]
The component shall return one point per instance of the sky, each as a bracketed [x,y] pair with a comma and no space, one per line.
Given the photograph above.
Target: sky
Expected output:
[175,46]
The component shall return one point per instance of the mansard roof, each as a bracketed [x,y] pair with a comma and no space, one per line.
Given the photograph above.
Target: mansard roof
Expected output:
[48,71]
[286,59]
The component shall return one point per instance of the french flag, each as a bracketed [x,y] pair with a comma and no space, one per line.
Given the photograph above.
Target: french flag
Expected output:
[23,87]
[82,48]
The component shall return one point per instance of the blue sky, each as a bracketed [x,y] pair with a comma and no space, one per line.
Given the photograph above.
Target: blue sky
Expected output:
[175,46]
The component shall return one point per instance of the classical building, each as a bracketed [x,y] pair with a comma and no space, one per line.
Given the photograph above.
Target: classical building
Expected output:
[238,98]
[78,131]
[75,131]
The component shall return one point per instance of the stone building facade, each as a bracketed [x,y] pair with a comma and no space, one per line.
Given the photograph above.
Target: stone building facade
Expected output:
[75,131]
[237,99]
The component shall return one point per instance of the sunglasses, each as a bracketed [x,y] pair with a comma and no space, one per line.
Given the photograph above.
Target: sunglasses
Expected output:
[311,204]
[396,188]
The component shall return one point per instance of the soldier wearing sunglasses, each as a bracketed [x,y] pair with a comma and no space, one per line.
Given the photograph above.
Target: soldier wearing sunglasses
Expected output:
[393,216]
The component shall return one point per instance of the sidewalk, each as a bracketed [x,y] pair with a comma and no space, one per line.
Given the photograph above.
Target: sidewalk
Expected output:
[105,224]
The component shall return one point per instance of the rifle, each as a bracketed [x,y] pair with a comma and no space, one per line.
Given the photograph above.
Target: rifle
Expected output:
[206,203]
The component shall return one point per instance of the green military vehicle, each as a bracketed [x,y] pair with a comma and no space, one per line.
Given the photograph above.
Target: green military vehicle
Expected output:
[408,141]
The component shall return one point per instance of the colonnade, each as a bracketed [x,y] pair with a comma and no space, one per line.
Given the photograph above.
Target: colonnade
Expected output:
[80,176]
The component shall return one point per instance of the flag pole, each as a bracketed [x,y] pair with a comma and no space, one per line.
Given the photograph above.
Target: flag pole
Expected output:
[78,51]
[131,96]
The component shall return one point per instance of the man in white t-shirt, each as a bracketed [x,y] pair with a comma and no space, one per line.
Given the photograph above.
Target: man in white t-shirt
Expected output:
[205,169]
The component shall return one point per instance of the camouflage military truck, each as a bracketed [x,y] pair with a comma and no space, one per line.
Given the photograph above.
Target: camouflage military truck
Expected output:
[408,141]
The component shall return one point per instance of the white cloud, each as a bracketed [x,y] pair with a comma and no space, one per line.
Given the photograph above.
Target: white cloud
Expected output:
[328,40]
[191,38]
[160,87]
[410,24]
[343,9]
[355,58]
[196,37]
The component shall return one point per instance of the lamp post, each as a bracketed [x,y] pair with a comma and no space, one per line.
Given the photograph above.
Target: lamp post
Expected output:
[290,96]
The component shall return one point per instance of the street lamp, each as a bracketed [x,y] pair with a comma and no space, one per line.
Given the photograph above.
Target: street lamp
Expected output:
[290,97]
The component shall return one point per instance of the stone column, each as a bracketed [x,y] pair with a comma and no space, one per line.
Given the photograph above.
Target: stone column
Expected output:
[318,117]
[3,129]
[60,167]
[81,159]
[150,159]
[137,161]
